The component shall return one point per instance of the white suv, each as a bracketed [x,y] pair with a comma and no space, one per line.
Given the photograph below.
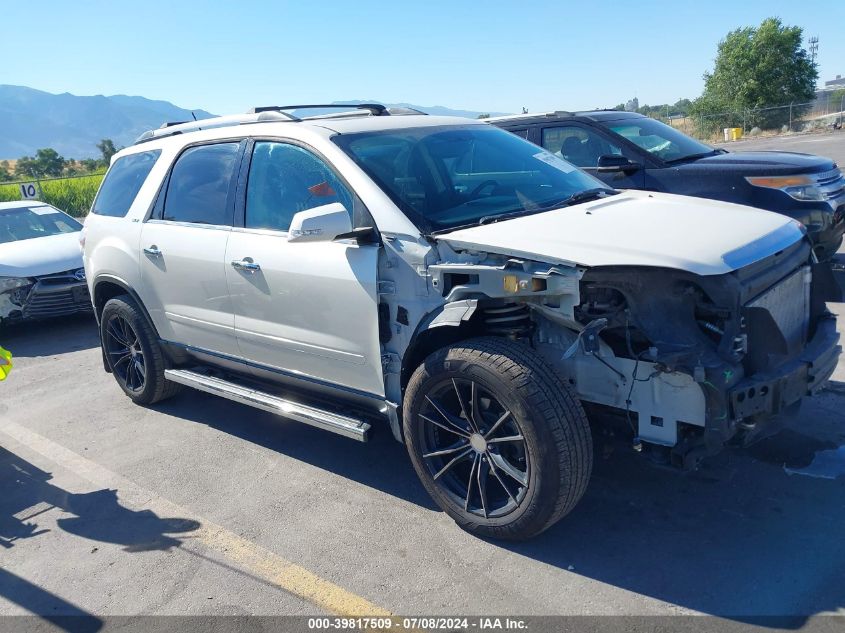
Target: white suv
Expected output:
[457,284]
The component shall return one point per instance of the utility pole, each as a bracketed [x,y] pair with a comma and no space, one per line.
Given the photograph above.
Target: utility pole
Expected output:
[814,48]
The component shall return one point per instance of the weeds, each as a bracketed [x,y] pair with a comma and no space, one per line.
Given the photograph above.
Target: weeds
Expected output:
[72,195]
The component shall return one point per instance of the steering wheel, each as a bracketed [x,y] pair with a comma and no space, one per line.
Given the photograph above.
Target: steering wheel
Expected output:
[487,183]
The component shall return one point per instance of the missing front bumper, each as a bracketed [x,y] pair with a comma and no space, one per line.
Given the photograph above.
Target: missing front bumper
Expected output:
[771,393]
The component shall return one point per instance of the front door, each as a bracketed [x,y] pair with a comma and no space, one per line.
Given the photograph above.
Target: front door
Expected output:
[304,309]
[582,146]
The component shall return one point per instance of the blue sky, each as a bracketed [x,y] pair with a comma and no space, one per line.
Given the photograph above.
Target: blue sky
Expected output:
[488,56]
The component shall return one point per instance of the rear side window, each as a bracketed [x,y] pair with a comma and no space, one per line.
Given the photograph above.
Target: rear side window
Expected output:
[200,185]
[123,182]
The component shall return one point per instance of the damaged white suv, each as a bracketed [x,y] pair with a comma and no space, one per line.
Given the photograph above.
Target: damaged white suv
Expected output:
[457,284]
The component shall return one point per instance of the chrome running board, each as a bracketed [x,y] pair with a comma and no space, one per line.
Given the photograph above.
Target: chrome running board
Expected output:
[326,420]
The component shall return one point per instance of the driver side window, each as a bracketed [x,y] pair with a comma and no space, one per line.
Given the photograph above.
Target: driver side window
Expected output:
[578,145]
[285,179]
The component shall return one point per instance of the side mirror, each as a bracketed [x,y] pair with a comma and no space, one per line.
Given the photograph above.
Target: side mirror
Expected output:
[320,224]
[609,163]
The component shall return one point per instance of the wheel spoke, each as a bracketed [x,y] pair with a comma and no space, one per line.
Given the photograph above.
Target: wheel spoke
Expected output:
[475,417]
[482,486]
[123,332]
[447,418]
[485,467]
[128,332]
[139,371]
[454,461]
[448,451]
[509,438]
[451,429]
[511,471]
[130,370]
[121,360]
[495,472]
[497,424]
[467,416]
[117,336]
[475,463]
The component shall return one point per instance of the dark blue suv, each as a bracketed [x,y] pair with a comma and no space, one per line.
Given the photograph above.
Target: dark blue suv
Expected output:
[631,151]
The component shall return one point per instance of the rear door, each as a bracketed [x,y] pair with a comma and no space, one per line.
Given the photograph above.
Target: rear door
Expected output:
[308,309]
[183,250]
[582,145]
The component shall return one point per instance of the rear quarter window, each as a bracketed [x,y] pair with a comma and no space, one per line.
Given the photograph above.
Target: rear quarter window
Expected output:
[123,182]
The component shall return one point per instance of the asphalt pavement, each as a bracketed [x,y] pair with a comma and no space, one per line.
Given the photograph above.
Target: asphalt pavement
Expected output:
[202,506]
[829,144]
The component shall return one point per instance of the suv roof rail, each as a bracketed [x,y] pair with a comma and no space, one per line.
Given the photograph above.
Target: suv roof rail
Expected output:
[172,129]
[272,113]
[405,110]
[376,109]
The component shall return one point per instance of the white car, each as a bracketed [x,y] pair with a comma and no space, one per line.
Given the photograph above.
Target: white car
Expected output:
[457,284]
[41,273]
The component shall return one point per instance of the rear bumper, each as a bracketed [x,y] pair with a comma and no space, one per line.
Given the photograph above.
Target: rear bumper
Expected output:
[770,393]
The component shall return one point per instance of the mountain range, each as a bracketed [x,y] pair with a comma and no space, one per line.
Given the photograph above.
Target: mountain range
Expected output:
[31,119]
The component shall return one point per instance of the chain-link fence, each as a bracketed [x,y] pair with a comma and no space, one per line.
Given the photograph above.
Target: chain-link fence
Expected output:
[822,113]
[72,194]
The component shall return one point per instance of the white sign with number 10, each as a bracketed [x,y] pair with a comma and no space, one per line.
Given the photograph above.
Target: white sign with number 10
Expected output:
[29,191]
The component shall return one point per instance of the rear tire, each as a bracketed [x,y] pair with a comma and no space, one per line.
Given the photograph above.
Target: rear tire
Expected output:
[502,445]
[133,353]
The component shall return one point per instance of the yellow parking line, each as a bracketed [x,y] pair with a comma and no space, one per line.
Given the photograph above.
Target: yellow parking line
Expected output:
[243,553]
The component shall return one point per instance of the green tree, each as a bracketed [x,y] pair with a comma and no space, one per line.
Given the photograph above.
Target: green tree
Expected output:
[757,68]
[90,164]
[6,171]
[47,162]
[107,149]
[26,167]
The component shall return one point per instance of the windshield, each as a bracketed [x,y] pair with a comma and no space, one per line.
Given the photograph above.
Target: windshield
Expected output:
[659,139]
[446,177]
[26,223]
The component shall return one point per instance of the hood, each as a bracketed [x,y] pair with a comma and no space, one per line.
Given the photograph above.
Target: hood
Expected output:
[41,255]
[639,228]
[763,163]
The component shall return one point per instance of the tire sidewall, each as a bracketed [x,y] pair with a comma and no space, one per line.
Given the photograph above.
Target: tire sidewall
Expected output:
[121,307]
[544,477]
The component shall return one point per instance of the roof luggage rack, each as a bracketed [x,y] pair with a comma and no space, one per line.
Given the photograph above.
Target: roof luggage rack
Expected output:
[376,109]
[263,114]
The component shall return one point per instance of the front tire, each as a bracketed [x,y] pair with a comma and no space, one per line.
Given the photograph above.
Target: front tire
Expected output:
[501,444]
[133,353]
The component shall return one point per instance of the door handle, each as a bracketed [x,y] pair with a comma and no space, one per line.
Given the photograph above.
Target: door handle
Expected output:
[246,264]
[152,250]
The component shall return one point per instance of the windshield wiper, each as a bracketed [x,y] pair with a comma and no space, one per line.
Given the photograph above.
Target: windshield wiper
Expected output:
[575,198]
[587,194]
[712,152]
[506,215]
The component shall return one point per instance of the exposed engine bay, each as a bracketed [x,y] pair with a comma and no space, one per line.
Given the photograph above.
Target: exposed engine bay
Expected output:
[690,362]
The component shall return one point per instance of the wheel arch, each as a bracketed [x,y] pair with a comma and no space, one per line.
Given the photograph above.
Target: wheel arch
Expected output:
[107,287]
[447,324]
